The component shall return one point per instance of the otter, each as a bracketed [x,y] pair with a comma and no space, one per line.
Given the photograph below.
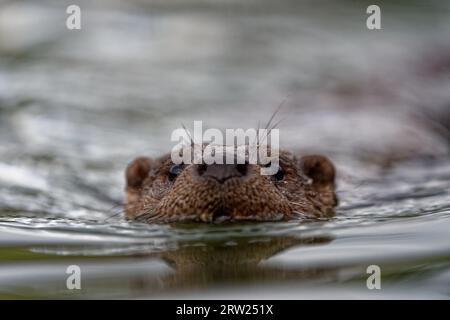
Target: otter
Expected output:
[159,191]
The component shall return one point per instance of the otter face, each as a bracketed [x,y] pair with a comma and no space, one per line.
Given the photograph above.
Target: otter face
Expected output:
[160,191]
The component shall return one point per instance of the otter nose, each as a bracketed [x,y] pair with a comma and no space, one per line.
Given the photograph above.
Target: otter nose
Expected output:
[222,172]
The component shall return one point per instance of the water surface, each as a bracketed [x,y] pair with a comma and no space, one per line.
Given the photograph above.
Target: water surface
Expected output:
[77,106]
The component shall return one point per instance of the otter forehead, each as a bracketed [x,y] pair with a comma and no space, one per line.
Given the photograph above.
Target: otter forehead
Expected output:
[160,191]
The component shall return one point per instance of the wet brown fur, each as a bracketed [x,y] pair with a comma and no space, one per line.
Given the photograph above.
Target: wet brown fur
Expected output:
[307,189]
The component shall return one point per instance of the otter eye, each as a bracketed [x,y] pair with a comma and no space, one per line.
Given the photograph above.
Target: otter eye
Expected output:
[174,171]
[279,175]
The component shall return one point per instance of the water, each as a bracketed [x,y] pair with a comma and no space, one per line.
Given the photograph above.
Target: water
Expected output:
[77,106]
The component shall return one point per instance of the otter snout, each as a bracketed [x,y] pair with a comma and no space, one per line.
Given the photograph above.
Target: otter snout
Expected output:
[222,172]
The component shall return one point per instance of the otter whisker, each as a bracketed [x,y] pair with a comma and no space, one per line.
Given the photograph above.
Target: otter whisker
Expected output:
[188,133]
[275,113]
[296,203]
[149,216]
[300,214]
[255,141]
[275,125]
[116,210]
[269,132]
[269,127]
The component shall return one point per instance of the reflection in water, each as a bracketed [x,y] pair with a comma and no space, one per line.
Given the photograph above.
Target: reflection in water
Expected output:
[236,262]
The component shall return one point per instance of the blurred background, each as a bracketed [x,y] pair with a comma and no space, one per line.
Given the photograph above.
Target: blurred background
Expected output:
[76,106]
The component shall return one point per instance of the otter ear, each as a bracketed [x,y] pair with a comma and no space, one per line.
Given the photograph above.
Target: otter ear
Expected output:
[320,169]
[137,171]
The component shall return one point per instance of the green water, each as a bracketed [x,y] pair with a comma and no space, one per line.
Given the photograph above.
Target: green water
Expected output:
[77,106]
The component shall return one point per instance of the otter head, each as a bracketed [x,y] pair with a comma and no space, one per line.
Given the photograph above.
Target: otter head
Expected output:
[160,191]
